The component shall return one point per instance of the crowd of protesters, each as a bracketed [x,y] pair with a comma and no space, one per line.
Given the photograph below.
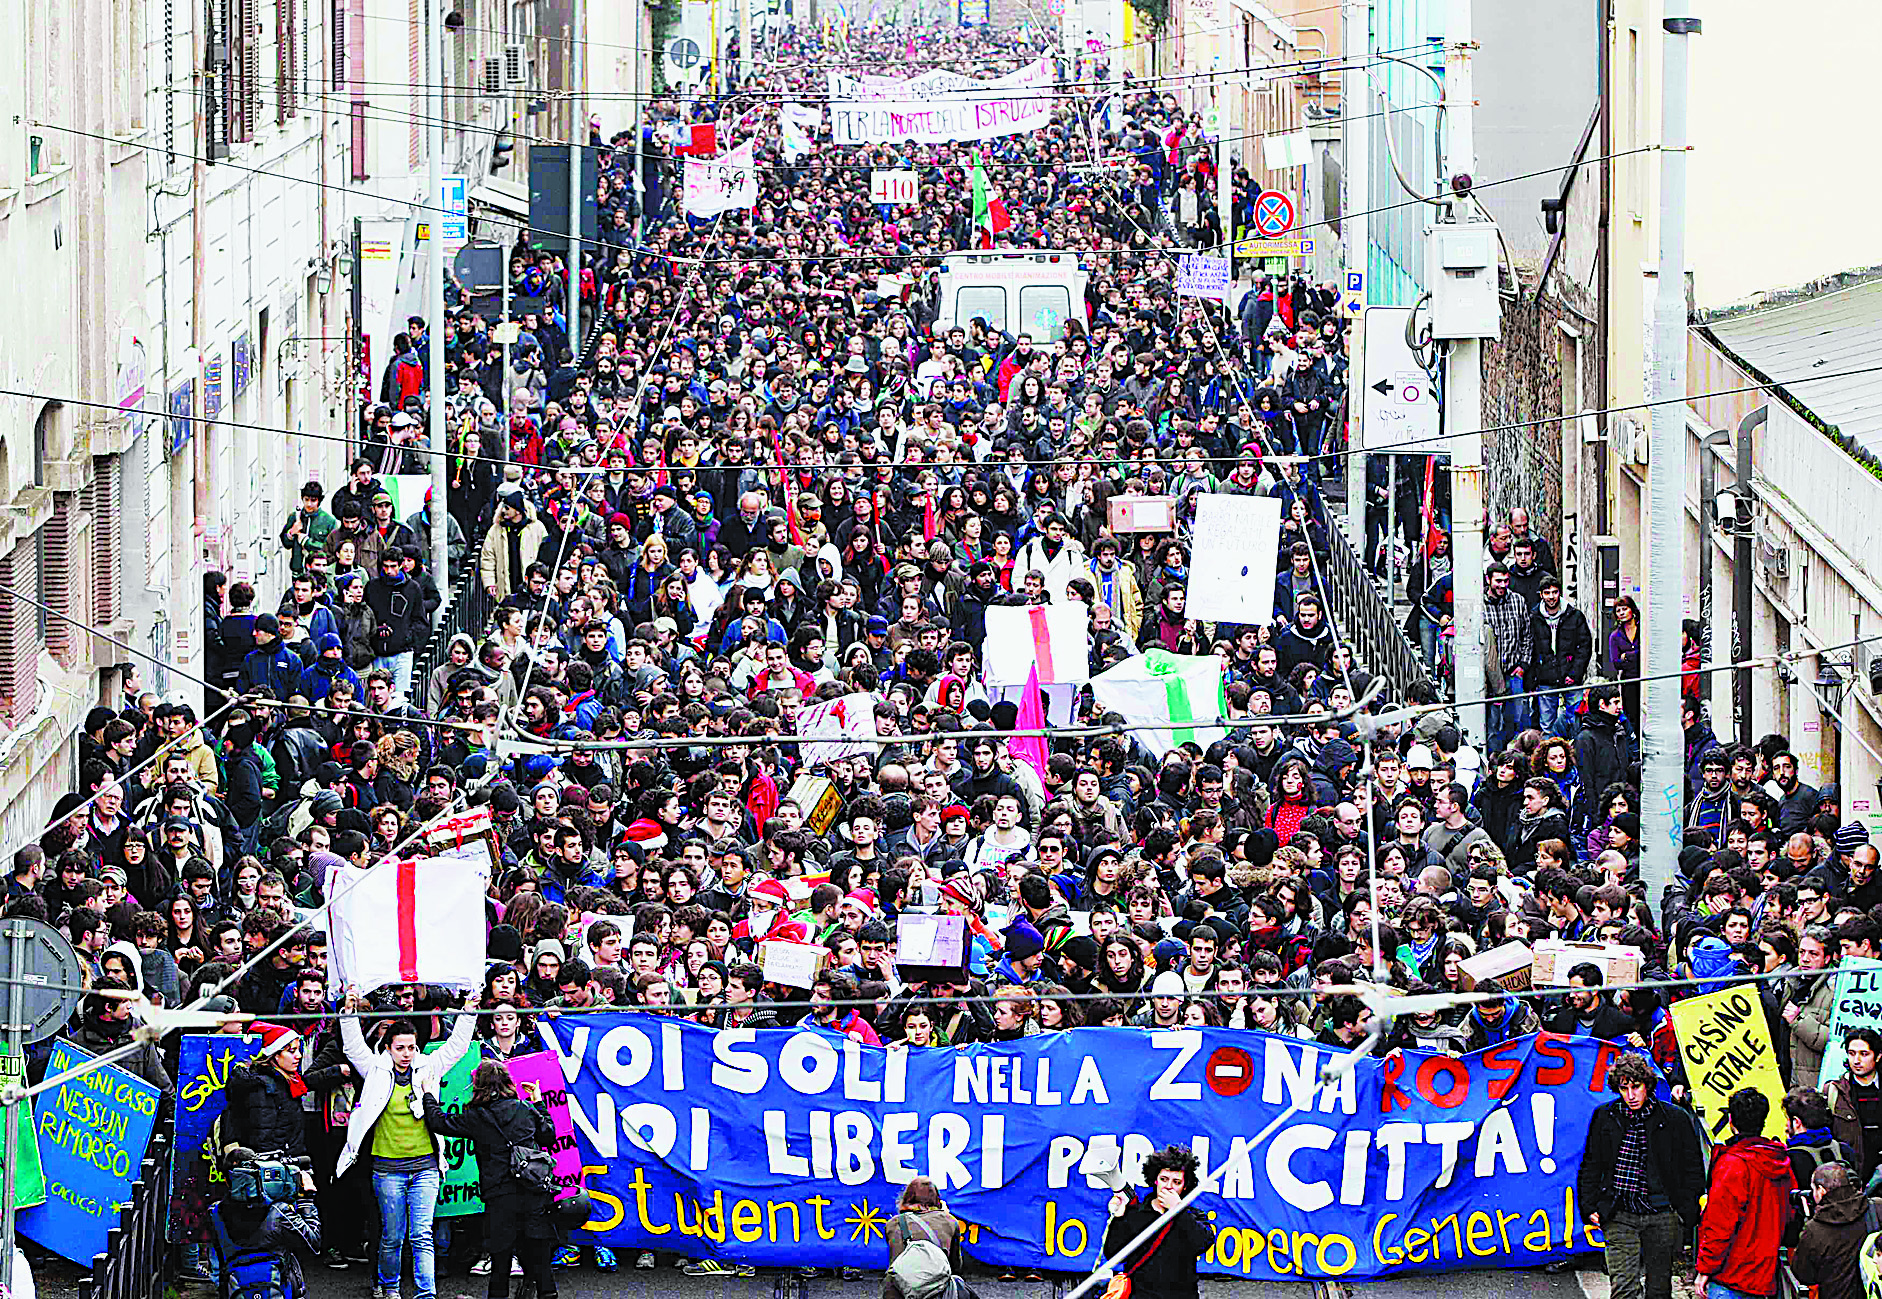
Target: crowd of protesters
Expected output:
[756,476]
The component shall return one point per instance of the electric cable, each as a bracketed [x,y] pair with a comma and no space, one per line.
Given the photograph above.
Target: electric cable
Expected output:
[563,237]
[238,697]
[376,113]
[1115,461]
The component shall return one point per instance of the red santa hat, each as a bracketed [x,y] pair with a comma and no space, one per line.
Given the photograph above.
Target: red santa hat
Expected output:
[274,1037]
[772,891]
[789,931]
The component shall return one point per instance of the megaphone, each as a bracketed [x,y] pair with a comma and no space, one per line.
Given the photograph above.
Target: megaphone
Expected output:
[1108,1167]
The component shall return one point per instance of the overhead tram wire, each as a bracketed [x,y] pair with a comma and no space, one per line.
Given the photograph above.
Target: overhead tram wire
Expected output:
[1388,715]
[1059,89]
[1387,993]
[237,695]
[1121,462]
[1182,33]
[564,237]
[569,531]
[396,117]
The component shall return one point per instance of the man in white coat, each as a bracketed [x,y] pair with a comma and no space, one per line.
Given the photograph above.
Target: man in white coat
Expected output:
[388,1124]
[1055,554]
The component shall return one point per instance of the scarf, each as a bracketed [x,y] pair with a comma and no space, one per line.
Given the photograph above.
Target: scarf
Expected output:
[513,534]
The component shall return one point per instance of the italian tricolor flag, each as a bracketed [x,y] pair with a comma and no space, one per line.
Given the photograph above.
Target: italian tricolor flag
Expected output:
[989,208]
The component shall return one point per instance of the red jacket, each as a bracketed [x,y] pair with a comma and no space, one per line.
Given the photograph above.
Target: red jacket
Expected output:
[1747,1207]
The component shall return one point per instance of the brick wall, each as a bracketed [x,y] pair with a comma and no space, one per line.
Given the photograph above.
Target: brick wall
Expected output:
[1522,382]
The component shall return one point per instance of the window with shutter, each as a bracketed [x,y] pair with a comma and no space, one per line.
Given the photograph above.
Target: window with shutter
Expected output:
[415,45]
[169,83]
[251,68]
[19,633]
[62,639]
[283,42]
[107,536]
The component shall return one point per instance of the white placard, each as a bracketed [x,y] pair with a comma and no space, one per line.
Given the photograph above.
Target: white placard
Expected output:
[1200,275]
[715,185]
[1232,558]
[895,187]
[1397,406]
[416,923]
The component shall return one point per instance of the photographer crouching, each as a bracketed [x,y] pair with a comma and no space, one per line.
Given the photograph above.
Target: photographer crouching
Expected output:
[263,1226]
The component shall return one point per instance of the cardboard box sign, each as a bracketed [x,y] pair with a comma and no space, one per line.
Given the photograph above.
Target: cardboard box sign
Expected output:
[1508,964]
[817,799]
[931,947]
[1143,514]
[1555,958]
[795,965]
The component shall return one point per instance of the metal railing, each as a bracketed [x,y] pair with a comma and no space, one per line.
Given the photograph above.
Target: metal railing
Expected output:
[465,609]
[464,612]
[1361,615]
[136,1260]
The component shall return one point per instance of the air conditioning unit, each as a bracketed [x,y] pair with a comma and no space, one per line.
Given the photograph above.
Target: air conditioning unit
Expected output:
[1776,559]
[490,77]
[1633,438]
[515,66]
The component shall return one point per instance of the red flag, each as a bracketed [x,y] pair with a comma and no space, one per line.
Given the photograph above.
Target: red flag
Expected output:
[408,920]
[930,524]
[700,140]
[1431,506]
[1030,749]
[790,497]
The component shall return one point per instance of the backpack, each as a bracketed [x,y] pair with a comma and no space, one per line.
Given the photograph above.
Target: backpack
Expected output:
[248,1273]
[533,1168]
[922,1269]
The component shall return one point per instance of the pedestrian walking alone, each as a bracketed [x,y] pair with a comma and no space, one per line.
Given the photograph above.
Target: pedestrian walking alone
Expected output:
[1639,1180]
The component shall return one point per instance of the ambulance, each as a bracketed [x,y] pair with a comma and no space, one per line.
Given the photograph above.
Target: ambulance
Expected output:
[1016,292]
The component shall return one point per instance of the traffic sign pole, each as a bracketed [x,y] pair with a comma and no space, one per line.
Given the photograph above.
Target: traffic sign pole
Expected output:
[1274,214]
[17,933]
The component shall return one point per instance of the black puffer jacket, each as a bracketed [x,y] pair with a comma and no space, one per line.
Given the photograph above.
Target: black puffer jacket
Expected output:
[263,1114]
[1169,1272]
[494,1128]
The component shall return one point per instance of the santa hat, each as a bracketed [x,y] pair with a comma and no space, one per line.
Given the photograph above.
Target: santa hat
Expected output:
[865,896]
[789,931]
[274,1037]
[772,891]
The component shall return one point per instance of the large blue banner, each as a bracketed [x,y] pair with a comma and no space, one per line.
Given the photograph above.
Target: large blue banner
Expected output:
[202,1079]
[781,1147]
[92,1134]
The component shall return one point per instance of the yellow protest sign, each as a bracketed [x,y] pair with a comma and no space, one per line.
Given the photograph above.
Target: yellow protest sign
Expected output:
[1726,1045]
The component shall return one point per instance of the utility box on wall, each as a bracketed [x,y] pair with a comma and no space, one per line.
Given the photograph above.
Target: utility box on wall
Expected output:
[1460,268]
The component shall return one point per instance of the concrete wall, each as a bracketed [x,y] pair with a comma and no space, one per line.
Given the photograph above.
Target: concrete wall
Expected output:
[1742,67]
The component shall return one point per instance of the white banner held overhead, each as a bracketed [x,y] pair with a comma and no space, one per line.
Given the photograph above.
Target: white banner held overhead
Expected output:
[1232,558]
[800,123]
[933,110]
[723,184]
[412,921]
[1053,637]
[843,728]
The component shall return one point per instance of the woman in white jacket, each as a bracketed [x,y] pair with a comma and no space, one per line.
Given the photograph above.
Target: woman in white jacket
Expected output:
[388,1124]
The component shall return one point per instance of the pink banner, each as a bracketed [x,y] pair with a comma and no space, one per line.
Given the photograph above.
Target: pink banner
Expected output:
[542,1069]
